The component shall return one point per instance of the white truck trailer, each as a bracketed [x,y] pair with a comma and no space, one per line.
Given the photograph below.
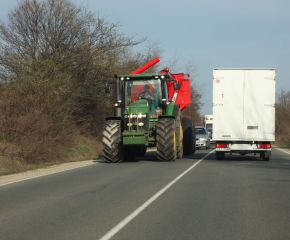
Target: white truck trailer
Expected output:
[208,124]
[244,111]
[208,121]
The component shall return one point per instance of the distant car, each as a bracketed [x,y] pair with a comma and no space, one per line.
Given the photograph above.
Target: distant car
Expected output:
[202,138]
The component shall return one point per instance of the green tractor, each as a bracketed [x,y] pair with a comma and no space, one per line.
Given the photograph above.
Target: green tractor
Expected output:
[147,113]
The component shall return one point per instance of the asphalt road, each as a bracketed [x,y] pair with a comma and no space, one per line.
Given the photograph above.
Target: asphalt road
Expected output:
[241,197]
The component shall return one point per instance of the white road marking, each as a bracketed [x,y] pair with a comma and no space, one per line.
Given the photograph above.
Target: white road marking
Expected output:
[134,214]
[24,179]
[282,150]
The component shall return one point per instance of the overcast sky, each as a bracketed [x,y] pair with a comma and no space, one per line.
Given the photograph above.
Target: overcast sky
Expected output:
[211,33]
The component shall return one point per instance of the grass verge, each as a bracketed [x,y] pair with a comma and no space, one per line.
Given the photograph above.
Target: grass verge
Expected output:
[81,149]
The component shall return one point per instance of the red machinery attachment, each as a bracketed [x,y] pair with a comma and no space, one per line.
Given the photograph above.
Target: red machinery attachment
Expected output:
[181,97]
[146,66]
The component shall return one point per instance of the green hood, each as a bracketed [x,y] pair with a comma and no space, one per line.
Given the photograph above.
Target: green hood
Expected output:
[139,106]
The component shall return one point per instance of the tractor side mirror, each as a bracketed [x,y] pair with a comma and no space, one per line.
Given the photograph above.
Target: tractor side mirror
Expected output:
[176,85]
[107,88]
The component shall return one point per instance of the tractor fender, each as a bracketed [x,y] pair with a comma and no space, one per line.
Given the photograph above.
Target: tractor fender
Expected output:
[165,116]
[113,118]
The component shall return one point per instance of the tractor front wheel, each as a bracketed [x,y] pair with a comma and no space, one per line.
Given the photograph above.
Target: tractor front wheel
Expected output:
[166,139]
[112,145]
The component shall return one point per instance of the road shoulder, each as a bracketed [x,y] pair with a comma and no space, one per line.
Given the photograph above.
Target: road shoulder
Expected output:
[44,171]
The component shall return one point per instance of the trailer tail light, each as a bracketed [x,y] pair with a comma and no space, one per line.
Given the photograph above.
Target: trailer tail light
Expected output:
[264,145]
[221,145]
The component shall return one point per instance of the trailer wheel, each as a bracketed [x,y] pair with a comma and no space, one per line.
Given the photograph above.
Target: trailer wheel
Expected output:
[265,156]
[112,144]
[188,136]
[165,139]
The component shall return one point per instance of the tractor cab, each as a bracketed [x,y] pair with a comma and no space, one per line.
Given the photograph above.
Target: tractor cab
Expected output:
[144,95]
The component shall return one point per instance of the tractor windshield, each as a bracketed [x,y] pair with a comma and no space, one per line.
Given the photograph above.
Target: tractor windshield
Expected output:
[144,89]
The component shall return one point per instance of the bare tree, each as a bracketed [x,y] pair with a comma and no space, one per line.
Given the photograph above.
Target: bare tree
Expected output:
[54,59]
[283,114]
[67,41]
[73,38]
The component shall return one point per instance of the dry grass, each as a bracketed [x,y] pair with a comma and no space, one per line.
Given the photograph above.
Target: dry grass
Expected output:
[282,141]
[82,148]
[37,129]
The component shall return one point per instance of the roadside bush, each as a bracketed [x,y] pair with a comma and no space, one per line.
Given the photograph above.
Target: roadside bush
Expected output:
[34,122]
[282,115]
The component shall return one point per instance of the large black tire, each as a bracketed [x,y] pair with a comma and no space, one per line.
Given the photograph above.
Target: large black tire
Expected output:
[165,139]
[188,136]
[193,136]
[112,145]
[265,156]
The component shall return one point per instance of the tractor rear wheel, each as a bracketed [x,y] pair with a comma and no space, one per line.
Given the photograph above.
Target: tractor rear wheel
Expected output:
[188,136]
[165,139]
[112,145]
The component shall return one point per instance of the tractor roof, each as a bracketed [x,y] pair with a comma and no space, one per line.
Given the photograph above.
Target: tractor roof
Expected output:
[144,76]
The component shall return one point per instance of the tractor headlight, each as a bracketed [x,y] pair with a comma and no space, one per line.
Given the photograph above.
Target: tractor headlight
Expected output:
[141,124]
[129,124]
[144,115]
[125,116]
[134,116]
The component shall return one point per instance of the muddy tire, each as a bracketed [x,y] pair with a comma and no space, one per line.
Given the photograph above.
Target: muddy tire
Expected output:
[112,145]
[188,136]
[179,153]
[165,139]
[179,149]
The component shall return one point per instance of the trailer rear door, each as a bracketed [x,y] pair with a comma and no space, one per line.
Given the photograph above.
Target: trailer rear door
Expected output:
[259,105]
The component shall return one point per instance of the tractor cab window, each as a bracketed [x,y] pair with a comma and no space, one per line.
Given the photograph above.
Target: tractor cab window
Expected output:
[149,90]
